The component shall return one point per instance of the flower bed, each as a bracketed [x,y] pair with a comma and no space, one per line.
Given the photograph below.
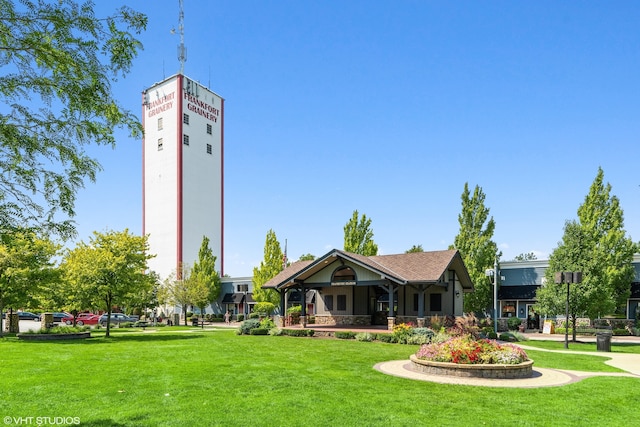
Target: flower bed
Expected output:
[465,356]
[497,371]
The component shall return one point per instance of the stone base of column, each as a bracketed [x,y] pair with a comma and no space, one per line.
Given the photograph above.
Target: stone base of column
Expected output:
[420,322]
[281,321]
[391,322]
[46,320]
[303,321]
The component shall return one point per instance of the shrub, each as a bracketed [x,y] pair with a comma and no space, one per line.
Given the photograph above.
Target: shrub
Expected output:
[240,317]
[621,332]
[402,332]
[418,339]
[467,350]
[513,323]
[364,336]
[259,331]
[345,335]
[58,330]
[492,335]
[264,307]
[267,323]
[507,336]
[126,325]
[385,337]
[254,315]
[248,325]
[294,309]
[298,332]
[276,332]
[465,325]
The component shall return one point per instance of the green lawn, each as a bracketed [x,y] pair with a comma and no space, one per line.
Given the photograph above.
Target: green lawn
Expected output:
[178,378]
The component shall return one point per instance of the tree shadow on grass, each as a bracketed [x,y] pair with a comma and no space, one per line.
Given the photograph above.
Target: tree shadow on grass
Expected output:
[115,338]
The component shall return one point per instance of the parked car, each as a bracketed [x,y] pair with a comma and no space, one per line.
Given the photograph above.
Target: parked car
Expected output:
[58,316]
[25,315]
[116,318]
[82,319]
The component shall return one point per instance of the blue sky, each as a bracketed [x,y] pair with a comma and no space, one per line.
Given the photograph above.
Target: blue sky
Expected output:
[389,107]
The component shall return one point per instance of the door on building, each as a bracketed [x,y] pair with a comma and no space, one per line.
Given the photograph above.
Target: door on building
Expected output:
[533,318]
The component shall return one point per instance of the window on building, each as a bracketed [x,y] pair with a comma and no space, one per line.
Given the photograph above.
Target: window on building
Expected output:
[209,149]
[342,302]
[209,130]
[243,288]
[185,139]
[435,302]
[185,119]
[159,123]
[328,302]
[508,309]
[160,143]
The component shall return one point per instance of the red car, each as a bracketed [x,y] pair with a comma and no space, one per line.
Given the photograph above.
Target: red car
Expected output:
[82,319]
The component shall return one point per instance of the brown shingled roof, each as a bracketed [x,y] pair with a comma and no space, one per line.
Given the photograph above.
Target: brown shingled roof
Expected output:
[418,267]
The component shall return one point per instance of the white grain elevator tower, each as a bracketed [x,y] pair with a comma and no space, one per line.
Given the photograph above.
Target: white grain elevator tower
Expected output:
[183,170]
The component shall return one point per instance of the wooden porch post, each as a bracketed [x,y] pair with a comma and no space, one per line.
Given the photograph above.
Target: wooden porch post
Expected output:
[391,319]
[282,308]
[420,319]
[303,303]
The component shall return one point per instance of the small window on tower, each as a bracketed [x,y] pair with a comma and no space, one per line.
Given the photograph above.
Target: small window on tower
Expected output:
[209,149]
[159,123]
[159,144]
[209,129]
[185,119]
[185,139]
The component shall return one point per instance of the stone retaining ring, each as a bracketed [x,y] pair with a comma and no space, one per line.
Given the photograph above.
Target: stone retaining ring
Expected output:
[521,370]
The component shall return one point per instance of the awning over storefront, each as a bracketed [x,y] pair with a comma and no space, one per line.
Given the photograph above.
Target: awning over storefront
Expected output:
[236,298]
[522,292]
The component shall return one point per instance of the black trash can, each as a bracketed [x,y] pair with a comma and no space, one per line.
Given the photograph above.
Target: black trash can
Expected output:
[194,321]
[603,341]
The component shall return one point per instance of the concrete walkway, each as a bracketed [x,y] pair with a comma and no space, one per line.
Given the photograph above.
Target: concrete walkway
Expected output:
[541,377]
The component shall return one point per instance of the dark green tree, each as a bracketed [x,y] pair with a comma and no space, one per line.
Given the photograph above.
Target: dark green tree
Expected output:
[307,257]
[414,248]
[529,256]
[596,245]
[58,63]
[478,250]
[358,236]
[269,267]
[206,280]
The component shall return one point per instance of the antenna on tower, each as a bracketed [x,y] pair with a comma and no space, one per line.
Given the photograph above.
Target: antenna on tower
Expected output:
[182,50]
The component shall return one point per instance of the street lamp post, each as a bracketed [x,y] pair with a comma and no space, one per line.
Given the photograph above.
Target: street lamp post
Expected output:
[567,277]
[494,273]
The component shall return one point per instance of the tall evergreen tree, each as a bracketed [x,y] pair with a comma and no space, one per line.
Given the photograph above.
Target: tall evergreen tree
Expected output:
[206,280]
[476,247]
[270,266]
[358,236]
[596,245]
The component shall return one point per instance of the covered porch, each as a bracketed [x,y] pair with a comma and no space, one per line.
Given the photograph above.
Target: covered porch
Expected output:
[355,291]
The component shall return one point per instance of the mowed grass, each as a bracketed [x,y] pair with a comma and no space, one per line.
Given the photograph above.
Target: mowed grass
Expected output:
[210,378]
